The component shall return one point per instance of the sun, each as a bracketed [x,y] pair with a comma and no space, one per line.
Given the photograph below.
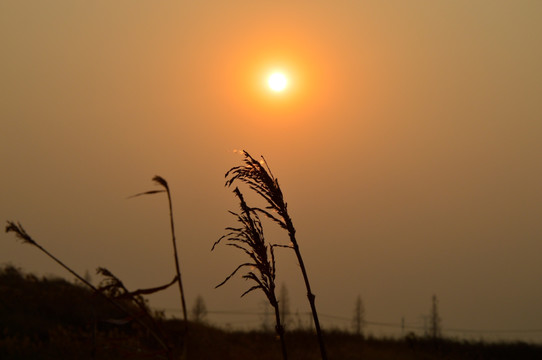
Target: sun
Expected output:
[277,81]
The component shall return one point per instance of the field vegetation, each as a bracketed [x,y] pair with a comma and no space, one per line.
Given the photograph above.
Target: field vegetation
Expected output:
[51,318]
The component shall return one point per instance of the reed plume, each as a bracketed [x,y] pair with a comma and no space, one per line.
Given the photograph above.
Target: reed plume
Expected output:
[249,238]
[258,176]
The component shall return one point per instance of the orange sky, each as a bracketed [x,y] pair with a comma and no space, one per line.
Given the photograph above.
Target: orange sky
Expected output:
[408,148]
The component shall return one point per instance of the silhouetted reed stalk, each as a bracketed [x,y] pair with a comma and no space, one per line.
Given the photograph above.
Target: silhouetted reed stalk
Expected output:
[261,180]
[22,235]
[250,239]
[161,181]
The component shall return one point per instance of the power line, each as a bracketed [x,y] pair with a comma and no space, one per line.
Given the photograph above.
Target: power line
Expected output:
[495,331]
[225,312]
[371,323]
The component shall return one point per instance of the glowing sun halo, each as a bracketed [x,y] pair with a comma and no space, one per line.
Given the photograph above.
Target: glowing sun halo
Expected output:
[277,81]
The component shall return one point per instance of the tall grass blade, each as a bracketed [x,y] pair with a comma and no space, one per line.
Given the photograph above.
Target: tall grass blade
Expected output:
[162,182]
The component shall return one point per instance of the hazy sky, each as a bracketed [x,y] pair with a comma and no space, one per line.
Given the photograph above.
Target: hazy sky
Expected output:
[408,147]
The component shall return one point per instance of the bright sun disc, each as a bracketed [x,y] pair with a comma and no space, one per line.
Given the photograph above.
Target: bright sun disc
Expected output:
[277,81]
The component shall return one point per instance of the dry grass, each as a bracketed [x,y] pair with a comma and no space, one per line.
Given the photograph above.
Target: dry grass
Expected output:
[111,291]
[131,303]
[258,176]
[249,238]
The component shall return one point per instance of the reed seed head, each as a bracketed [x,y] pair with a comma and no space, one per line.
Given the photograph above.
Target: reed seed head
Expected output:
[258,176]
[249,238]
[20,232]
[161,181]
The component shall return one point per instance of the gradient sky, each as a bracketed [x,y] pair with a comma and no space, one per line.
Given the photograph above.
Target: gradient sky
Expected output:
[409,149]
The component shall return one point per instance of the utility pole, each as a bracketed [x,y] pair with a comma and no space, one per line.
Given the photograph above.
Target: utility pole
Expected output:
[434,320]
